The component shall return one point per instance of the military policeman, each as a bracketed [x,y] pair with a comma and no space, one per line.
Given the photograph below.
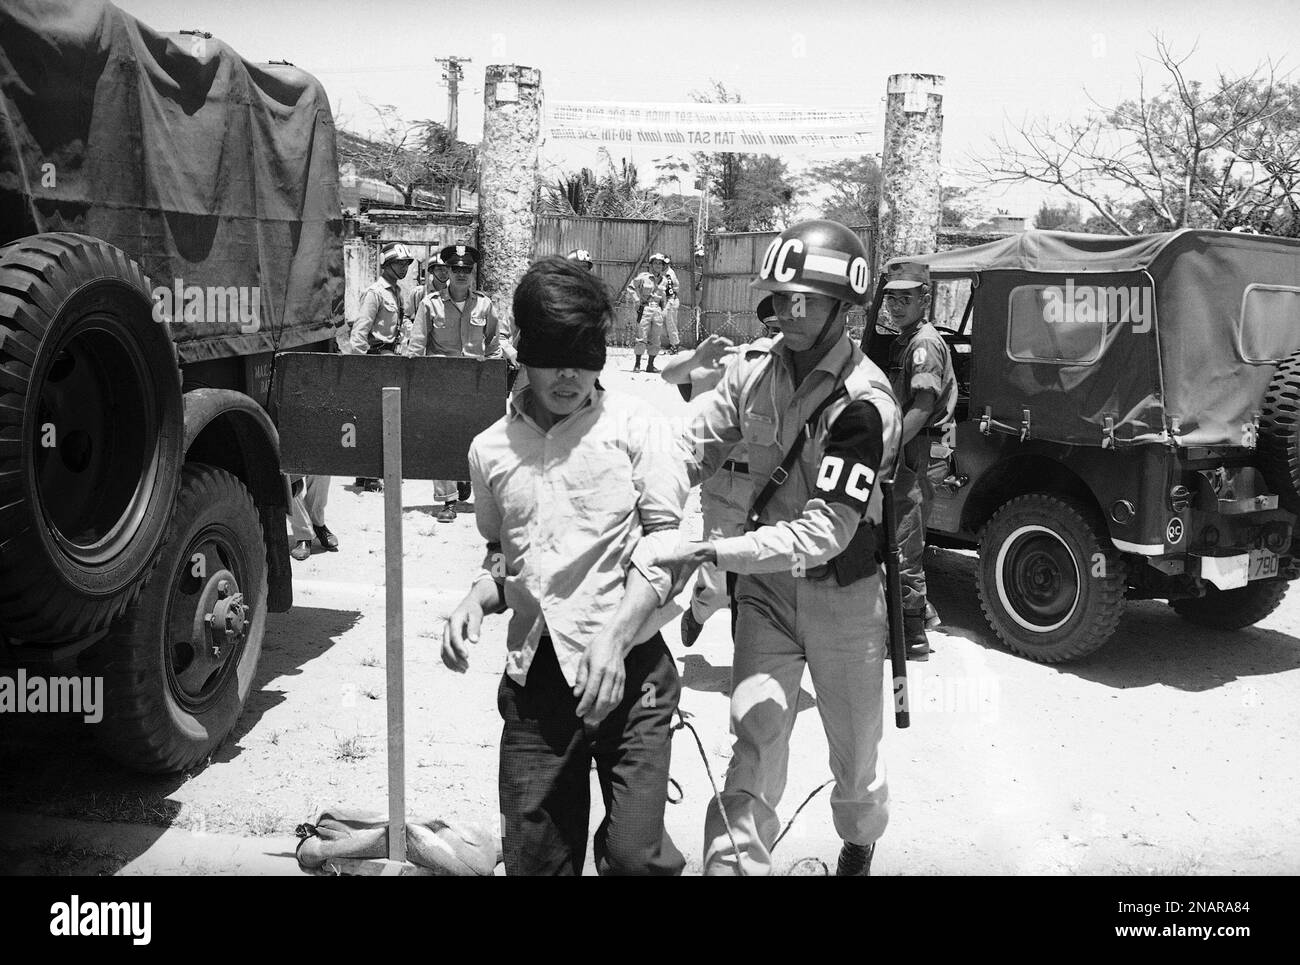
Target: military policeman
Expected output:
[583,257]
[920,372]
[378,328]
[458,322]
[821,428]
[651,291]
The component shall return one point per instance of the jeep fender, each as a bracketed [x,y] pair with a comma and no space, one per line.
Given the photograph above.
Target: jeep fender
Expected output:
[228,429]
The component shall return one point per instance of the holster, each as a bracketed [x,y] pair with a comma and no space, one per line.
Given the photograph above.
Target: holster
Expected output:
[858,560]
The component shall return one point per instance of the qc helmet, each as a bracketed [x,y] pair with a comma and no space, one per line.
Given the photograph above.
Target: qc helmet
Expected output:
[817,258]
[583,257]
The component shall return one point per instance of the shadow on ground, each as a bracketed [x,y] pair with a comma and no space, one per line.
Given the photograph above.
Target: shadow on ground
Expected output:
[52,765]
[1152,644]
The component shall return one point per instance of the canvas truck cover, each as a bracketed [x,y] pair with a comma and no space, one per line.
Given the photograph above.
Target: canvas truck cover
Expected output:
[1226,307]
[210,171]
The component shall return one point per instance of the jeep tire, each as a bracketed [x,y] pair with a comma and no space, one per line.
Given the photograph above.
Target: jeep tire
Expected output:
[1051,584]
[1232,609]
[91,429]
[1279,435]
[180,663]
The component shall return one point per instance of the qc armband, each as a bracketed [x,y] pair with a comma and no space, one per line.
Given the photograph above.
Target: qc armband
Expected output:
[854,450]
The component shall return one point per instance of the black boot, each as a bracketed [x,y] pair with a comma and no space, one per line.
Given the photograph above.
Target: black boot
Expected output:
[636,366]
[855,860]
[918,645]
[650,366]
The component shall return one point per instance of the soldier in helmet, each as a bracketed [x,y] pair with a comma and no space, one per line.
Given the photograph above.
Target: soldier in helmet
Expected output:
[379,328]
[651,291]
[583,257]
[821,428]
[459,322]
[920,372]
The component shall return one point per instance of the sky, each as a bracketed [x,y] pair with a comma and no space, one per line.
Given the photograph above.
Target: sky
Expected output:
[1004,61]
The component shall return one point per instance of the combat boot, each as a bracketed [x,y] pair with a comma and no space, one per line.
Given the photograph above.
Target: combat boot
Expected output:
[855,860]
[932,619]
[918,645]
[636,366]
[650,366]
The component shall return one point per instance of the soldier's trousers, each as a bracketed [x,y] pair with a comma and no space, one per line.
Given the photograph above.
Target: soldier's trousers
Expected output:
[307,508]
[786,623]
[650,330]
[670,321]
[724,502]
[914,484]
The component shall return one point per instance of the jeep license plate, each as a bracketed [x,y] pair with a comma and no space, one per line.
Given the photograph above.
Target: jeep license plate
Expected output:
[1263,565]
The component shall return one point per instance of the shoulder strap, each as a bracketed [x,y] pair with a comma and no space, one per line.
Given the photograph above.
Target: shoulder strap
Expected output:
[782,472]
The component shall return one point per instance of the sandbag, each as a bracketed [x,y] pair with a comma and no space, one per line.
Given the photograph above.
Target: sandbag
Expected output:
[440,846]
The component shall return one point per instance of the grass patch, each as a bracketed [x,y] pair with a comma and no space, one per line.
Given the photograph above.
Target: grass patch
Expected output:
[350,749]
[370,660]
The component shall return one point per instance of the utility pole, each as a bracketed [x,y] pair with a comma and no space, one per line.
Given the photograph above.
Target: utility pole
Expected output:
[452,74]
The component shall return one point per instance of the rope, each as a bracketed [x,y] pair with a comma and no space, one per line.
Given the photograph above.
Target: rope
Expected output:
[717,797]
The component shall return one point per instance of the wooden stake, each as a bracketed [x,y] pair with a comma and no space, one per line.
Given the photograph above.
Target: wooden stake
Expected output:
[392,399]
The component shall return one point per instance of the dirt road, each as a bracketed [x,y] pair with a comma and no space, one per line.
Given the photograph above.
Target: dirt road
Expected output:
[1173,750]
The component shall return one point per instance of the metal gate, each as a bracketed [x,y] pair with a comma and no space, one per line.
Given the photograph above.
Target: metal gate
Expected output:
[732,260]
[619,248]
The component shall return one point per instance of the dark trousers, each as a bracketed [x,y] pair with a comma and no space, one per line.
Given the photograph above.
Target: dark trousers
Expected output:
[546,756]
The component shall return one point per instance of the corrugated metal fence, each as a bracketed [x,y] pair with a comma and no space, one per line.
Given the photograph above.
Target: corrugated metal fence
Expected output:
[732,259]
[619,248]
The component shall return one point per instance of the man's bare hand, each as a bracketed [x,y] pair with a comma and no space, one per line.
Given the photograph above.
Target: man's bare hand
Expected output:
[710,351]
[462,627]
[601,676]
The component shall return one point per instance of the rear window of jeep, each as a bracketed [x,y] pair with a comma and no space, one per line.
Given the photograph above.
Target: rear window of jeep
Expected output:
[1270,323]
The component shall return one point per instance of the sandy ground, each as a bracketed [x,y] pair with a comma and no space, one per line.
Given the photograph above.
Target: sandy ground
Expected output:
[1171,751]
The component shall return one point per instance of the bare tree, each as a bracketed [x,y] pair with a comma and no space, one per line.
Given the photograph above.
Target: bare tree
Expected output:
[1186,155]
[410,155]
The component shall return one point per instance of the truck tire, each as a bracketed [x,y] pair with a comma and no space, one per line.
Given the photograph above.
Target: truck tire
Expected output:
[1051,584]
[1232,609]
[1278,446]
[91,429]
[180,663]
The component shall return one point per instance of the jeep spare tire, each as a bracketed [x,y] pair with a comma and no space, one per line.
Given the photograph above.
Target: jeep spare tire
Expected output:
[91,429]
[1279,434]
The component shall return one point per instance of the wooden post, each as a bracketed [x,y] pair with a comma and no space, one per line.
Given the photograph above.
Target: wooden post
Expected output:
[392,402]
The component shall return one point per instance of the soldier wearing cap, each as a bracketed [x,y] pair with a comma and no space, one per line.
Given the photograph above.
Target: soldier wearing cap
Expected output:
[458,322]
[651,291]
[820,428]
[920,372]
[378,329]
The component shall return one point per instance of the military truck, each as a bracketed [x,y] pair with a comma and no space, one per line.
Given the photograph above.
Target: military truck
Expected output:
[169,215]
[1128,427]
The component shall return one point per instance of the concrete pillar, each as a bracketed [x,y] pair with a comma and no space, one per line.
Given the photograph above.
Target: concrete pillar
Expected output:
[512,124]
[909,188]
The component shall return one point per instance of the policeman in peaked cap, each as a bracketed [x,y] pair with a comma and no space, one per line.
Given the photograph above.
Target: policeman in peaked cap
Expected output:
[583,257]
[460,321]
[921,375]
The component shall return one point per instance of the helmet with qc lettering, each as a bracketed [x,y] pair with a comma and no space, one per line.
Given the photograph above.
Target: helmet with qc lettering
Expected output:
[819,258]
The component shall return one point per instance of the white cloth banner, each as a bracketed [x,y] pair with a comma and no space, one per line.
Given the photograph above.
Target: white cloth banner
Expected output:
[738,128]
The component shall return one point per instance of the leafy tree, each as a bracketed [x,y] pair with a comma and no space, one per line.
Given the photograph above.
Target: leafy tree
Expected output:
[852,186]
[756,192]
[960,207]
[1190,154]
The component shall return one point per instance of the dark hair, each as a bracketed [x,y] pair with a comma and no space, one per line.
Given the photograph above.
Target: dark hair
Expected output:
[558,292]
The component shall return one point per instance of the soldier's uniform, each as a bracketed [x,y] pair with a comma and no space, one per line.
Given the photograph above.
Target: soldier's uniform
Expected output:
[671,309]
[468,329]
[808,591]
[378,329]
[919,360]
[652,296]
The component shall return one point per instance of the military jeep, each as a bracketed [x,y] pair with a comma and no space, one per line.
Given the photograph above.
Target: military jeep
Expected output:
[1128,427]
